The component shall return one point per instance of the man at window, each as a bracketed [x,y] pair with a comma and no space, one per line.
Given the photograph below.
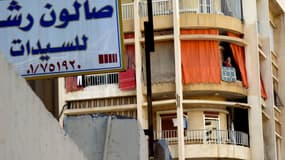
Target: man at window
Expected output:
[227,62]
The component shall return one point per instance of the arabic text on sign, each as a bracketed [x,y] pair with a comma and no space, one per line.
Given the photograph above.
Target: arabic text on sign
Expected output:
[47,20]
[53,67]
[66,46]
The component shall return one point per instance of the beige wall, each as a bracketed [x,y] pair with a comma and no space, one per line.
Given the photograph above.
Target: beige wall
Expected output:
[223,121]
[27,130]
[196,119]
[189,4]
[190,20]
[207,151]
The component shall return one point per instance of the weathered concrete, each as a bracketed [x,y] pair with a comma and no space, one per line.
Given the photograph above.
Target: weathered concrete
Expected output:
[106,138]
[253,71]
[27,130]
[266,72]
[281,86]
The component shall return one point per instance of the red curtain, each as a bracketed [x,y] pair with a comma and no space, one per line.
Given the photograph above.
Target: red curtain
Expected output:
[71,84]
[263,91]
[127,80]
[200,58]
[239,56]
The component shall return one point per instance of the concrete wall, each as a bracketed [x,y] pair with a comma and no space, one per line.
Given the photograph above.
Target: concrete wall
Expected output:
[107,138]
[47,91]
[196,120]
[162,63]
[27,130]
[281,86]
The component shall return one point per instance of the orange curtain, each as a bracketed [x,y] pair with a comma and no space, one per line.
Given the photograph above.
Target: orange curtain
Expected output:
[200,58]
[239,56]
[127,79]
[263,91]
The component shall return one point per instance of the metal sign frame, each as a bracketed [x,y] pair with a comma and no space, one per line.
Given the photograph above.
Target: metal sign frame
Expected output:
[53,38]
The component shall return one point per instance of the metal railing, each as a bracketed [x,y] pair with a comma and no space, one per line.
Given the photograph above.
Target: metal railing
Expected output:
[99,79]
[206,137]
[159,7]
[229,74]
[127,11]
[164,7]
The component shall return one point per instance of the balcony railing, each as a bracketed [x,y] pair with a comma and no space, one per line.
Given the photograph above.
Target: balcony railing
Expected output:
[98,79]
[161,7]
[164,7]
[229,74]
[206,137]
[127,11]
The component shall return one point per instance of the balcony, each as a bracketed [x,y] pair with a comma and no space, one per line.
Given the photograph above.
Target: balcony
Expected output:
[209,143]
[96,86]
[99,79]
[230,86]
[164,7]
[206,137]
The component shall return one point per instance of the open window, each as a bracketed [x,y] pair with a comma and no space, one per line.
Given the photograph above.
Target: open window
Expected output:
[277,100]
[169,125]
[212,127]
[230,69]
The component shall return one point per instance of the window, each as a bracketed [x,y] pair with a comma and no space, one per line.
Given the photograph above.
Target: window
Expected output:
[168,130]
[205,6]
[277,99]
[212,127]
[212,123]
[230,73]
[169,125]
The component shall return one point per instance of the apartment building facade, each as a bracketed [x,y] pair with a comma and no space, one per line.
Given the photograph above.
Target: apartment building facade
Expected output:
[218,81]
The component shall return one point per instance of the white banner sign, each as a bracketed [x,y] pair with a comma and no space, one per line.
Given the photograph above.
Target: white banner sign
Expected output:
[60,37]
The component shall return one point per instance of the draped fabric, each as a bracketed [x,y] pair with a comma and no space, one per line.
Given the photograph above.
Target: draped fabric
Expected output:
[200,58]
[239,56]
[231,8]
[71,84]
[127,80]
[129,52]
[263,91]
[130,56]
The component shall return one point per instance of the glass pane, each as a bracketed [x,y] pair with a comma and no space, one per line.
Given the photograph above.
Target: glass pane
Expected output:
[212,130]
[211,124]
[208,5]
[201,6]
